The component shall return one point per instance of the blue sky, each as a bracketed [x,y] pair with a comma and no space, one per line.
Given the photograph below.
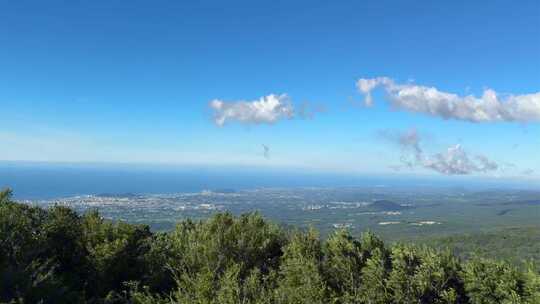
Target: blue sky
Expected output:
[132,81]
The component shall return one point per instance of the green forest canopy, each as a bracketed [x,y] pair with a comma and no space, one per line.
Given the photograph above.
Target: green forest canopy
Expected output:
[59,256]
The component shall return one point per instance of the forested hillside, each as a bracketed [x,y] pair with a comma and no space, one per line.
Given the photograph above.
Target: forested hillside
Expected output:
[59,256]
[514,245]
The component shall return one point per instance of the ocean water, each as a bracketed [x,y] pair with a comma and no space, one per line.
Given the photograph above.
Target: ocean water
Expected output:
[52,180]
[45,181]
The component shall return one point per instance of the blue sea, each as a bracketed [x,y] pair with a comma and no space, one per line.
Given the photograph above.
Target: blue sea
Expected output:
[31,180]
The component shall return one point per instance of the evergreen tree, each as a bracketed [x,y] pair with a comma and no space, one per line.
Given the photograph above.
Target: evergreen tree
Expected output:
[343,264]
[300,278]
[492,282]
[374,288]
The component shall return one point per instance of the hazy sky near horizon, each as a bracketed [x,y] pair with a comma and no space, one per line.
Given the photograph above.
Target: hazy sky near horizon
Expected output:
[432,87]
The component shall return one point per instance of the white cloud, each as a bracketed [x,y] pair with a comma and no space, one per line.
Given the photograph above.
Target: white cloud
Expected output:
[490,107]
[265,110]
[366,85]
[454,161]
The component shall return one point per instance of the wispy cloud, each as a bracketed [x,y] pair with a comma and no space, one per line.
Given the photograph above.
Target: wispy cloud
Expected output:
[490,107]
[266,151]
[265,110]
[528,172]
[454,161]
[409,142]
[308,110]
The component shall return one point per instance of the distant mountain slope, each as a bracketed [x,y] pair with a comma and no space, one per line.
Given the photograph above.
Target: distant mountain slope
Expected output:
[523,202]
[512,244]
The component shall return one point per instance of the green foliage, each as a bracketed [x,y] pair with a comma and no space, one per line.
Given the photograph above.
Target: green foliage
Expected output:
[489,281]
[5,195]
[531,288]
[59,256]
[115,251]
[514,244]
[423,275]
[374,288]
[343,263]
[300,279]
[28,270]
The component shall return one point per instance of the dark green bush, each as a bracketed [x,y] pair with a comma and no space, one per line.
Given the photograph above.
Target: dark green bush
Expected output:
[58,256]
